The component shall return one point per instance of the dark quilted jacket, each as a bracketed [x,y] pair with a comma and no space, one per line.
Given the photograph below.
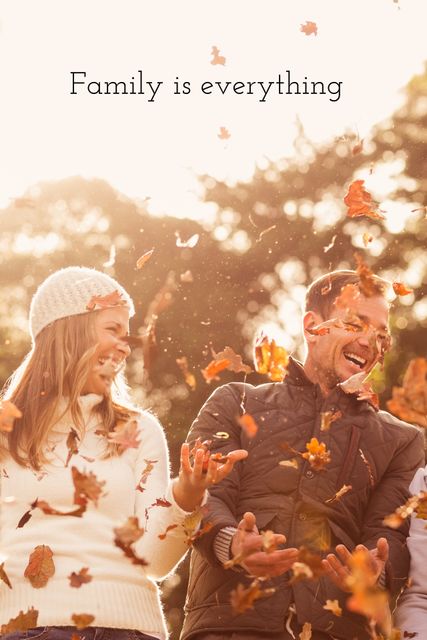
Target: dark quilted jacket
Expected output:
[370,450]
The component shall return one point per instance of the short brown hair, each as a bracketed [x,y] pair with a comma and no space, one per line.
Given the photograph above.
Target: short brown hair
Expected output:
[322,293]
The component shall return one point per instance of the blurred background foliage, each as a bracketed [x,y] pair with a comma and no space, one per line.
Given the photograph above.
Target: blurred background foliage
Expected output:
[249,269]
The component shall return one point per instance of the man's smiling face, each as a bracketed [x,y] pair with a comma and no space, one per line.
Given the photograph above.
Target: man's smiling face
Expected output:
[351,347]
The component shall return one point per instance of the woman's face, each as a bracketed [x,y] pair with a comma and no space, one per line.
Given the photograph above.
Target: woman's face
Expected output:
[111,327]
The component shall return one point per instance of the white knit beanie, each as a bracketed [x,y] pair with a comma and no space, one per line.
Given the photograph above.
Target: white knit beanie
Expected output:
[73,291]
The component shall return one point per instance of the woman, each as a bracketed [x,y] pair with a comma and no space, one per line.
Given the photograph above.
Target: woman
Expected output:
[89,517]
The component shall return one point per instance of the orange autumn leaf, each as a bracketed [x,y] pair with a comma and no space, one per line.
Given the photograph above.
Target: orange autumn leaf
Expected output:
[216,58]
[125,435]
[50,511]
[128,533]
[226,359]
[82,577]
[360,202]
[415,504]
[113,299]
[191,538]
[72,445]
[409,402]
[149,466]
[82,620]
[4,577]
[348,297]
[317,454]
[144,258]
[367,284]
[306,632]
[188,376]
[162,536]
[293,462]
[22,622]
[86,486]
[248,425]
[216,366]
[309,28]
[270,358]
[327,418]
[8,414]
[40,566]
[333,606]
[401,289]
[224,133]
[243,598]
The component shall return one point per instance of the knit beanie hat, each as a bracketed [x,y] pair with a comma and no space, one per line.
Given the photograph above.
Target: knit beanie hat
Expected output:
[73,291]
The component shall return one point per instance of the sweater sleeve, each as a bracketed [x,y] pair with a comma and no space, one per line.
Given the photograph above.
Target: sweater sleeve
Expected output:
[164,542]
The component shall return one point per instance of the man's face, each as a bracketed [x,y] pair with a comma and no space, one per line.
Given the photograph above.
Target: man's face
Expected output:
[353,346]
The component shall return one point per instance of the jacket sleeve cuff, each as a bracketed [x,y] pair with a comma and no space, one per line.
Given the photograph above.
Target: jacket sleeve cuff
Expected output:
[222,543]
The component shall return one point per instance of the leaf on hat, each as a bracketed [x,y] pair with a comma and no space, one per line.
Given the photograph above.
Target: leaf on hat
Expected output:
[112,299]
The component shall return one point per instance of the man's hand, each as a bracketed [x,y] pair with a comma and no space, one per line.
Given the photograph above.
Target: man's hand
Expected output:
[337,567]
[247,550]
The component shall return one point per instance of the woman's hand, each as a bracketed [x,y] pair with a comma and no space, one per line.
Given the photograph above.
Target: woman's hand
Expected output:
[192,482]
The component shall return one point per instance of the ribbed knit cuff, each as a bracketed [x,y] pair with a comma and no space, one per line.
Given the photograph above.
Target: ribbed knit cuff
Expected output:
[222,543]
[382,579]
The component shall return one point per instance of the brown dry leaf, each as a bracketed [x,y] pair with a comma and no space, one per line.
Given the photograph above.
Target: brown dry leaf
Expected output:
[86,486]
[401,289]
[188,376]
[309,28]
[306,632]
[333,606]
[328,417]
[270,358]
[144,258]
[317,454]
[162,536]
[187,244]
[8,414]
[367,238]
[366,462]
[348,298]
[125,435]
[25,518]
[22,622]
[113,299]
[362,387]
[248,424]
[82,620]
[312,560]
[243,598]
[226,359]
[4,576]
[149,466]
[72,446]
[340,493]
[217,59]
[367,285]
[82,577]
[40,566]
[289,463]
[360,202]
[415,504]
[128,533]
[50,511]
[409,402]
[224,133]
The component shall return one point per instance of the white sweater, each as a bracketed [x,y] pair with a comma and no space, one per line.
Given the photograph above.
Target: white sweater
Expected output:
[121,594]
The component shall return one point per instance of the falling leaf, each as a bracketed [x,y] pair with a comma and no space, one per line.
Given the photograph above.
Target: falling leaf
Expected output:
[226,359]
[340,493]
[248,425]
[330,245]
[264,231]
[401,289]
[354,383]
[130,532]
[269,543]
[348,298]
[112,257]
[289,463]
[358,148]
[317,455]
[112,299]
[149,466]
[312,560]
[409,402]
[162,536]
[191,538]
[327,418]
[82,620]
[50,511]
[144,258]
[224,133]
[360,202]
[22,622]
[86,486]
[187,244]
[308,28]
[214,367]
[300,571]
[40,566]
[8,414]
[125,435]
[217,59]
[71,443]
[243,598]
[3,576]
[270,358]
[367,238]
[25,518]
[188,376]
[82,577]
[186,277]
[306,631]
[415,504]
[333,606]
[365,461]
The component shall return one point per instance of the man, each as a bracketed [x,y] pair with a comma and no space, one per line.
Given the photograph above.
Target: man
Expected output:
[370,451]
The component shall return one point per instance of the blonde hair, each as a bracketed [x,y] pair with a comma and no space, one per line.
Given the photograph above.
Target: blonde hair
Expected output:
[57,368]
